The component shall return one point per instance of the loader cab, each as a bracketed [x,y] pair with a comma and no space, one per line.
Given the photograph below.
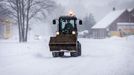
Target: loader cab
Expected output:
[67,24]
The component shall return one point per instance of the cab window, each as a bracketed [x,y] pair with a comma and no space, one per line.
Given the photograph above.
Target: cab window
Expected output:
[64,24]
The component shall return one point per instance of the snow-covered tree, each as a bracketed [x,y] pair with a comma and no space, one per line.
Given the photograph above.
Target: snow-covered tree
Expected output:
[4,12]
[24,10]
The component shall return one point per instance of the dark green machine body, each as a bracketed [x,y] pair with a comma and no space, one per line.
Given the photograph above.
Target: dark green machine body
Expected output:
[66,38]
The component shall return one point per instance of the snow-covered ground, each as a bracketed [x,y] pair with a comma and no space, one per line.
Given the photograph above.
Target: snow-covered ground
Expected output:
[111,56]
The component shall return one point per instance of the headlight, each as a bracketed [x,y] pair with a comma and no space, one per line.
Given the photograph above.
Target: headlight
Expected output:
[73,32]
[57,33]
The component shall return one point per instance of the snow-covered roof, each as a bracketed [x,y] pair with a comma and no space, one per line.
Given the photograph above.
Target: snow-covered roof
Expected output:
[106,21]
[125,23]
[130,9]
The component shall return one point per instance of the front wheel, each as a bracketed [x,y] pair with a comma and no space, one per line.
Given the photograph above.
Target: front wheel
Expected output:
[78,51]
[55,54]
[61,54]
[74,54]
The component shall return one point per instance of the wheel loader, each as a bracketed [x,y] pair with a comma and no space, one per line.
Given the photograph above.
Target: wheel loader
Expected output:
[66,39]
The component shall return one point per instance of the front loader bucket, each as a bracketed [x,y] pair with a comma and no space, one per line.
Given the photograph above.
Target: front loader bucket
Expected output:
[63,42]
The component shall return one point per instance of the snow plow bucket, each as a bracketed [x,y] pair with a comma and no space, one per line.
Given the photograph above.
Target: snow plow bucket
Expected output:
[63,42]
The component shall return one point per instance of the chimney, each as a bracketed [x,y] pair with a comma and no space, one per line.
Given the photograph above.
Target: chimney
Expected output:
[114,8]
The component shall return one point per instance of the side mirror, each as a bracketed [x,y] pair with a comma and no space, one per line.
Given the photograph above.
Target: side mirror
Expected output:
[54,21]
[80,22]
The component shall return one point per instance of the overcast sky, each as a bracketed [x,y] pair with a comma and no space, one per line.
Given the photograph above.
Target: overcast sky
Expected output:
[99,8]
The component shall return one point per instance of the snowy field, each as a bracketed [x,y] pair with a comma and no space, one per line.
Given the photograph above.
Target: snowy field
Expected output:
[111,56]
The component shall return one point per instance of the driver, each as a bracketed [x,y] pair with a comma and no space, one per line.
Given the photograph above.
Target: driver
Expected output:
[68,25]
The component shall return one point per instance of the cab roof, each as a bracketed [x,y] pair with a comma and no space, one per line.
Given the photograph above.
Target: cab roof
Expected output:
[68,17]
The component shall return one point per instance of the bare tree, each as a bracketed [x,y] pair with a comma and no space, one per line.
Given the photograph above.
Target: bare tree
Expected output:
[4,12]
[24,10]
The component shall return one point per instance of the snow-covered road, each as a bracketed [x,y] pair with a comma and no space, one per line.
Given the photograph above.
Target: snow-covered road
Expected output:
[113,56]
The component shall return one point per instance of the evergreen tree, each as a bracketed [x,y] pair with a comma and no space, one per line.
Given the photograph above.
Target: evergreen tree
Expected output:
[88,22]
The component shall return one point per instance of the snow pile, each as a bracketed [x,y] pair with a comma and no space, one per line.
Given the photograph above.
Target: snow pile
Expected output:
[116,37]
[83,32]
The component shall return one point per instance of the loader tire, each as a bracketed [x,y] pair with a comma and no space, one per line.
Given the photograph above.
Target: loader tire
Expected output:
[61,54]
[55,54]
[74,54]
[79,49]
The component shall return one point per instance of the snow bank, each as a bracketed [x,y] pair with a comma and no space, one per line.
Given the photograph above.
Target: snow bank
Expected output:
[130,38]
[116,37]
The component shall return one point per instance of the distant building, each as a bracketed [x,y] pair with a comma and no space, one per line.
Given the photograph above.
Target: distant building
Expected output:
[5,29]
[108,26]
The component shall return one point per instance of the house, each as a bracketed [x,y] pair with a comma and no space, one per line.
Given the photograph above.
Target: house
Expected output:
[108,25]
[5,29]
[131,15]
